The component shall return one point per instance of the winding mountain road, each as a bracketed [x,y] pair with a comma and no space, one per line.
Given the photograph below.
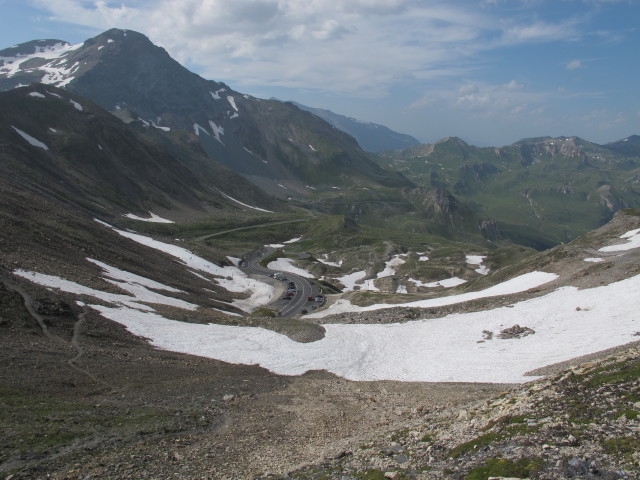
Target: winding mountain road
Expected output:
[304,289]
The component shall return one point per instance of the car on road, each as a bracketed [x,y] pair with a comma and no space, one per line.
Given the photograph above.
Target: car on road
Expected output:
[289,294]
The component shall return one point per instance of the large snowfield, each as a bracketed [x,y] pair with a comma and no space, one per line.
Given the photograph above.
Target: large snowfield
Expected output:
[568,323]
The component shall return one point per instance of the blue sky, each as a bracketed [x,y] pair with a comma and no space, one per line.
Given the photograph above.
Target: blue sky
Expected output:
[489,71]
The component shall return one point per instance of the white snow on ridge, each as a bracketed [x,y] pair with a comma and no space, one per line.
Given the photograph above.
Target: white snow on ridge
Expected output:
[445,349]
[327,262]
[233,279]
[286,265]
[217,130]
[350,280]
[514,285]
[154,218]
[216,94]
[33,141]
[478,260]
[446,283]
[594,260]
[136,285]
[633,241]
[117,274]
[36,94]
[293,240]
[241,203]
[232,102]
[12,65]
[76,105]
[390,266]
[197,129]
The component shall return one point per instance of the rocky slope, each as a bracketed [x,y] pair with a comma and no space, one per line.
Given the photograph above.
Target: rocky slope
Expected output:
[581,423]
[63,145]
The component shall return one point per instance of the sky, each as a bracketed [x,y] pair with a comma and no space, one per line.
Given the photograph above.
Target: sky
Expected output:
[489,71]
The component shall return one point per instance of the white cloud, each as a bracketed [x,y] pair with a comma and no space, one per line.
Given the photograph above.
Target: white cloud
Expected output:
[357,47]
[574,65]
[484,100]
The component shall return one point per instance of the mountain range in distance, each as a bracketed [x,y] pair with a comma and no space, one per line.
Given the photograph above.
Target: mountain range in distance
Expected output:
[537,192]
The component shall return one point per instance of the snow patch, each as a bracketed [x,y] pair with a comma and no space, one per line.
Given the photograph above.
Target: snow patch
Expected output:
[293,240]
[515,285]
[390,266]
[216,94]
[33,141]
[234,260]
[217,131]
[36,94]
[435,350]
[153,219]
[633,241]
[350,280]
[197,129]
[233,279]
[232,102]
[594,260]
[135,285]
[76,105]
[478,260]
[327,262]
[286,265]
[239,202]
[446,283]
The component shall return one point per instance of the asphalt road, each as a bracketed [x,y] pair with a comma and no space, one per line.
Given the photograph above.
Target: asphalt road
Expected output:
[304,289]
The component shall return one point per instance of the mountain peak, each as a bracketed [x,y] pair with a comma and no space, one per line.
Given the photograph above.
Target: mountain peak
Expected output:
[32,47]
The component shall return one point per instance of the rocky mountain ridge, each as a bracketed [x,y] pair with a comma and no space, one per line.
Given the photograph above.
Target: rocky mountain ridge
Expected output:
[280,148]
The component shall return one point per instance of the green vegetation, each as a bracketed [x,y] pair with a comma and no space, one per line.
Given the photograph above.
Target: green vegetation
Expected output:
[478,442]
[502,429]
[375,474]
[500,467]
[540,193]
[623,446]
[616,374]
[372,475]
[36,424]
[264,312]
[428,437]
